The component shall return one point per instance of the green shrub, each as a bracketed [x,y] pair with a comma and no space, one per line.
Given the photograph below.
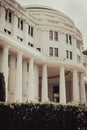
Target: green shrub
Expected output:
[2,88]
[43,117]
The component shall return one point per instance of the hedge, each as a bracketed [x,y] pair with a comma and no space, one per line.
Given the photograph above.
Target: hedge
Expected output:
[2,87]
[40,116]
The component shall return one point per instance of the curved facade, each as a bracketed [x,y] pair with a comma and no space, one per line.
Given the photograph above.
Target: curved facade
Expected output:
[41,55]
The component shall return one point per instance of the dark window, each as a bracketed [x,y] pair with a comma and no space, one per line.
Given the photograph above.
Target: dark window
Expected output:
[56,52]
[51,35]
[39,49]
[32,45]
[67,55]
[8,15]
[20,23]
[29,29]
[70,55]
[56,93]
[70,39]
[66,38]
[32,31]
[56,36]
[51,51]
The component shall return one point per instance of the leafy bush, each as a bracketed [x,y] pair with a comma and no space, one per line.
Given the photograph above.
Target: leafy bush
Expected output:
[42,117]
[2,88]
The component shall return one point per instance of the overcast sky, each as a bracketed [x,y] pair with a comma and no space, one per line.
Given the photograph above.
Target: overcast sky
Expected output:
[75,9]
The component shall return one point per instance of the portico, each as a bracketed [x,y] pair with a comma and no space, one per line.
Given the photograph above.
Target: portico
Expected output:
[28,76]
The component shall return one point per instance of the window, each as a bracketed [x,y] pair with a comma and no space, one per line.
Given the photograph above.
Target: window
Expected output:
[67,56]
[39,49]
[70,55]
[20,23]
[8,15]
[56,52]
[20,39]
[51,35]
[29,29]
[56,36]
[51,51]
[7,31]
[32,31]
[70,39]
[30,44]
[56,93]
[66,38]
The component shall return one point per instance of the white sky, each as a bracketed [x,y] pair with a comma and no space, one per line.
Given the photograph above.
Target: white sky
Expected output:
[75,9]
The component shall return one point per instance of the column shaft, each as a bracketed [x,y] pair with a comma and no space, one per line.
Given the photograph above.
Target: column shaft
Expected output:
[36,79]
[62,86]
[75,87]
[4,68]
[31,80]
[18,87]
[44,84]
[82,90]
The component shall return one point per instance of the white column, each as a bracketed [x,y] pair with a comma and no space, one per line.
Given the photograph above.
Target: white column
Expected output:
[75,87]
[18,87]
[4,68]
[31,83]
[62,86]
[36,81]
[44,84]
[82,90]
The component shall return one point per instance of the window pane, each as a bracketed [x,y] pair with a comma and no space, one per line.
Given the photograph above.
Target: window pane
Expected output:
[56,36]
[10,17]
[56,52]
[67,56]
[31,31]
[51,35]
[70,55]
[51,51]
[66,38]
[70,39]
[6,14]
[21,24]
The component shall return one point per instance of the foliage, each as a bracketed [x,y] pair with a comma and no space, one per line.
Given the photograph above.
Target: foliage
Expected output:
[2,88]
[40,116]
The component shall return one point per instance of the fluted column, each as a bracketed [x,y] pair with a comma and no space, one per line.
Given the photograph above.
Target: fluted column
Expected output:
[36,81]
[31,83]
[4,68]
[44,84]
[82,90]
[18,87]
[75,87]
[62,86]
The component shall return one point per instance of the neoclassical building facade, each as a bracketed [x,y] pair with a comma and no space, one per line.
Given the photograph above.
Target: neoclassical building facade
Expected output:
[41,55]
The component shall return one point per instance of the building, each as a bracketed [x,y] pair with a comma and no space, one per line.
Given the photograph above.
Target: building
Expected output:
[41,55]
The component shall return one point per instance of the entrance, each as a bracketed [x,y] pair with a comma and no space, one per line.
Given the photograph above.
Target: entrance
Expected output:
[56,94]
